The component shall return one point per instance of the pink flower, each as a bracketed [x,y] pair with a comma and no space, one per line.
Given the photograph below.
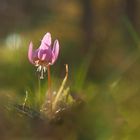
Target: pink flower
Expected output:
[45,55]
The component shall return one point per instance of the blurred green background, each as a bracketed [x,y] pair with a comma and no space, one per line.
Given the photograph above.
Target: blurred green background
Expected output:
[100,42]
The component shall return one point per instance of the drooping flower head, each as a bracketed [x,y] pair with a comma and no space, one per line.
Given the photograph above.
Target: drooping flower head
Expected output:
[45,55]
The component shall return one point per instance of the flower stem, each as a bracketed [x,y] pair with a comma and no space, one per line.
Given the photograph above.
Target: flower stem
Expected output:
[39,90]
[49,88]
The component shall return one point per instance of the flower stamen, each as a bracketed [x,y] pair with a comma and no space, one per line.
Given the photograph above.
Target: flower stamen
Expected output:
[41,69]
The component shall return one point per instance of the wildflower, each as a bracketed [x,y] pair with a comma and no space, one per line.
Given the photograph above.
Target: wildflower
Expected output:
[45,55]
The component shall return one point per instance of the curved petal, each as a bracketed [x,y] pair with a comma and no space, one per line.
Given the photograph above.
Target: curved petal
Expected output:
[35,55]
[46,41]
[43,46]
[30,52]
[45,55]
[55,51]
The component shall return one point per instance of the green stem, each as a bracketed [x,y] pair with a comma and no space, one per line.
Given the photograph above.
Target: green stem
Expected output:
[39,90]
[49,88]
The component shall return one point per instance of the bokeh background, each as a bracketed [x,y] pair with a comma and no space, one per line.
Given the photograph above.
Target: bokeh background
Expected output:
[100,42]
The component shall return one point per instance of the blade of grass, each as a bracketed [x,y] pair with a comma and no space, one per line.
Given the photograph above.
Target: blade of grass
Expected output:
[81,72]
[131,30]
[60,89]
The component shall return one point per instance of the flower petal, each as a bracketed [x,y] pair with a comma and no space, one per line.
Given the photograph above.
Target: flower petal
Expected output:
[55,51]
[30,52]
[43,46]
[35,55]
[45,55]
[46,41]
